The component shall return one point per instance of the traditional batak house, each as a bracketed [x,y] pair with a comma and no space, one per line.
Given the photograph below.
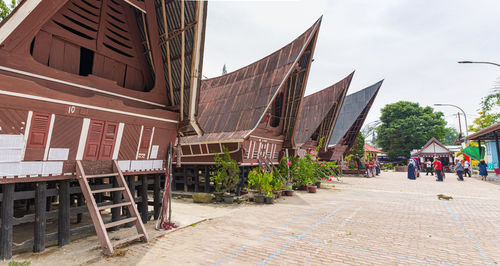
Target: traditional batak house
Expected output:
[352,116]
[251,111]
[318,114]
[92,90]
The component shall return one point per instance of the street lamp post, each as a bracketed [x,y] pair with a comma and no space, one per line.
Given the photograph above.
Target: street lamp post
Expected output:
[465,117]
[478,62]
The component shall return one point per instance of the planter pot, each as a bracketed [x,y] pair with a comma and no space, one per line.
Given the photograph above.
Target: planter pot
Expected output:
[243,192]
[318,184]
[228,199]
[218,196]
[277,194]
[269,200]
[259,198]
[202,198]
[311,189]
[304,187]
[288,192]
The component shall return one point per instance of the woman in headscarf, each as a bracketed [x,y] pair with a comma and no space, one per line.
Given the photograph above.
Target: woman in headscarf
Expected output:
[483,172]
[411,170]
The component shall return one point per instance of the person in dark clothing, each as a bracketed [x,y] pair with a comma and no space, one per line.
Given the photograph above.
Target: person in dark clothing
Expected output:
[358,161]
[459,167]
[428,168]
[483,171]
[411,170]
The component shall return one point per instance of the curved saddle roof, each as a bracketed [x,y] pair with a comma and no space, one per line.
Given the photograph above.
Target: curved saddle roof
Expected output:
[321,109]
[232,105]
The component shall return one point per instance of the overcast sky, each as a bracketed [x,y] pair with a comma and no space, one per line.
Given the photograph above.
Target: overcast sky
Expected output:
[413,45]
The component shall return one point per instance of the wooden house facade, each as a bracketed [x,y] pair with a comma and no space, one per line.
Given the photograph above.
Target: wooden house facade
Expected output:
[104,85]
[351,118]
[318,115]
[251,111]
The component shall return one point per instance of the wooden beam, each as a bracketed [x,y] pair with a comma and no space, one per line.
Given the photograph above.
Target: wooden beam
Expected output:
[63,224]
[7,215]
[144,198]
[176,32]
[139,5]
[157,196]
[40,216]
[183,44]
[131,188]
[194,68]
[148,45]
[169,63]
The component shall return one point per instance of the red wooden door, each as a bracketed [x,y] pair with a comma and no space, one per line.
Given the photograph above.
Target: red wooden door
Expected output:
[108,141]
[39,130]
[94,137]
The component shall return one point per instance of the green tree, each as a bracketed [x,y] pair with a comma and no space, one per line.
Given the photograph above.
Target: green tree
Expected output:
[488,112]
[407,126]
[6,9]
[359,146]
[450,136]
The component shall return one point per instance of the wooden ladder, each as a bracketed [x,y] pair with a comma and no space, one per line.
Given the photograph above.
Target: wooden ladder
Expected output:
[94,210]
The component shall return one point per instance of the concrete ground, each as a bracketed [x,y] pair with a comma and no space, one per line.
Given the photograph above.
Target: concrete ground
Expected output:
[384,220]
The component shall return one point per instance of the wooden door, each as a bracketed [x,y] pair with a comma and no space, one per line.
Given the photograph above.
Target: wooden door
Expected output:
[94,137]
[39,130]
[108,141]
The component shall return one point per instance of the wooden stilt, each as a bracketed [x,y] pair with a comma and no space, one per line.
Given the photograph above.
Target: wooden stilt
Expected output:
[63,224]
[79,202]
[207,179]
[131,186]
[115,212]
[7,214]
[40,216]
[144,198]
[157,196]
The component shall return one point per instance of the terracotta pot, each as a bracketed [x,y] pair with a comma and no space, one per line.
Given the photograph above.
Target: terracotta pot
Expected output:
[259,198]
[269,200]
[288,192]
[304,187]
[311,189]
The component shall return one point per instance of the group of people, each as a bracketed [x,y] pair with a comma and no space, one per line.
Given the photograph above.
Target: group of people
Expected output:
[462,168]
[430,167]
[372,167]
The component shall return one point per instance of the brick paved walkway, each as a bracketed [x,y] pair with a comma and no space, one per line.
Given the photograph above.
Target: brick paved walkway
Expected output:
[383,220]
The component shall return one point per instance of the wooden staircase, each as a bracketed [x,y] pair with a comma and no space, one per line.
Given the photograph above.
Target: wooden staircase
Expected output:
[94,210]
[265,163]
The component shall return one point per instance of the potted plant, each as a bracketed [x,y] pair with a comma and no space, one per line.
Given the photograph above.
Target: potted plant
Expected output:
[225,177]
[261,181]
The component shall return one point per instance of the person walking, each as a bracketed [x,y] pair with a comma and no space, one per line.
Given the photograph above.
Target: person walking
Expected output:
[438,168]
[483,172]
[367,167]
[428,168]
[417,166]
[459,168]
[411,169]
[467,168]
[377,167]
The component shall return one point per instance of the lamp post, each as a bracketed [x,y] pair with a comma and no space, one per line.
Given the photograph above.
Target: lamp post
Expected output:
[465,117]
[478,62]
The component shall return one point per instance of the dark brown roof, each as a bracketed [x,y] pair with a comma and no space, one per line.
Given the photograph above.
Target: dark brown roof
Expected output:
[232,105]
[487,133]
[321,109]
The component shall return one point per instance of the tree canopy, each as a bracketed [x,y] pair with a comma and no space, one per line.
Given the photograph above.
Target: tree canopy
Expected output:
[450,136]
[488,112]
[407,126]
[359,146]
[6,9]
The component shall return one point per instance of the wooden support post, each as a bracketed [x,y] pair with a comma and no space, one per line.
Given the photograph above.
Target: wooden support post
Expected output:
[196,176]
[207,179]
[183,65]
[98,197]
[7,214]
[115,212]
[157,196]
[144,198]
[479,146]
[40,216]
[184,175]
[131,187]
[63,224]
[498,149]
[79,202]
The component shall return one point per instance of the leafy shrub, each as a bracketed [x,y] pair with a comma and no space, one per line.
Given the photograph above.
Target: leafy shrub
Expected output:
[225,177]
[261,181]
